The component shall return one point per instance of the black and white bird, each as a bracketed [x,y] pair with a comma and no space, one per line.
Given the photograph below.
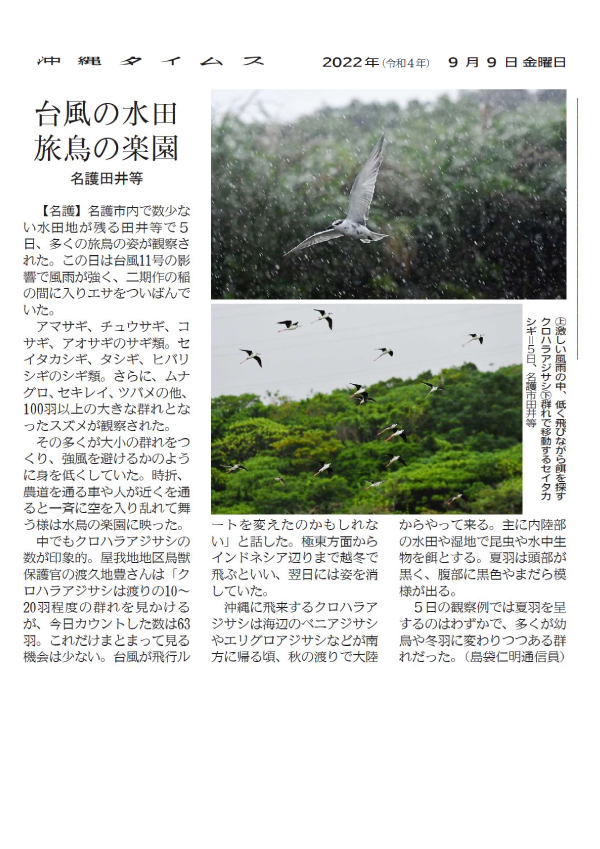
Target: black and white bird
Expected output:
[280,480]
[452,500]
[235,468]
[474,337]
[326,316]
[251,356]
[370,485]
[359,389]
[394,458]
[397,433]
[325,467]
[389,427]
[354,224]
[289,325]
[384,351]
[434,387]
[364,397]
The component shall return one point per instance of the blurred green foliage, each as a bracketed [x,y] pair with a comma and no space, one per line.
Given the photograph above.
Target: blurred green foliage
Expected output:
[467,439]
[471,194]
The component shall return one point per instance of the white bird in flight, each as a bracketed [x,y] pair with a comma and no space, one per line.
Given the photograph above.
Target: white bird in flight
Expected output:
[452,500]
[326,316]
[397,433]
[474,336]
[384,351]
[289,325]
[251,356]
[389,427]
[354,224]
[325,467]
[394,457]
[236,468]
[377,483]
[364,397]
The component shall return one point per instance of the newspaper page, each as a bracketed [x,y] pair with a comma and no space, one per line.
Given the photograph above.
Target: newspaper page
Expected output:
[338,262]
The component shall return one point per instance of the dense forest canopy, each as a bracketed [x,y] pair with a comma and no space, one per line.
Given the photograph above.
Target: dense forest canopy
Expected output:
[470,192]
[465,440]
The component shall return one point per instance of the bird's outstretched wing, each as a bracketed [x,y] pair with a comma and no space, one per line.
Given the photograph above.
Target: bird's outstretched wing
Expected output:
[363,188]
[246,351]
[424,382]
[287,323]
[329,322]
[258,360]
[358,385]
[323,236]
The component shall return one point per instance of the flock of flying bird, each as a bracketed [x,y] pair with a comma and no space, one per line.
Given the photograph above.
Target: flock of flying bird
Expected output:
[354,226]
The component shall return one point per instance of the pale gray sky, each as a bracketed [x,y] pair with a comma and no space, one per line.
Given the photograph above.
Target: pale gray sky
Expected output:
[283,105]
[314,358]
